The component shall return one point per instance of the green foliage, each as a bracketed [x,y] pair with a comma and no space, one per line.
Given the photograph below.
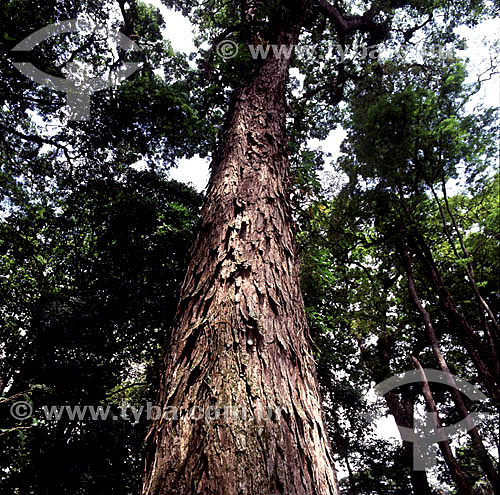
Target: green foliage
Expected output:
[90,288]
[405,140]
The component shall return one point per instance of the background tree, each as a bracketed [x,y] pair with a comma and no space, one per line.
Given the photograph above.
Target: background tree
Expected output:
[88,296]
[402,139]
[92,252]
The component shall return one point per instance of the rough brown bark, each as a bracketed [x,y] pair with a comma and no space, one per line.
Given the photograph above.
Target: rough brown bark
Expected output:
[241,336]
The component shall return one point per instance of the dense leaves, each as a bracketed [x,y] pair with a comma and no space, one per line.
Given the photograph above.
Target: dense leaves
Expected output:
[405,142]
[89,289]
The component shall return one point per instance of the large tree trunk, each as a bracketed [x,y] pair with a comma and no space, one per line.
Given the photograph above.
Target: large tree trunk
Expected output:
[241,337]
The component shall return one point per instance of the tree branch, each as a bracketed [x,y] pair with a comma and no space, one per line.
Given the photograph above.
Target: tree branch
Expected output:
[38,140]
[349,24]
[345,23]
[410,32]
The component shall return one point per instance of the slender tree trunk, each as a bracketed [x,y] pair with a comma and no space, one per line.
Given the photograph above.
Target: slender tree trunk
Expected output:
[470,269]
[241,339]
[352,482]
[419,481]
[478,352]
[475,347]
[477,443]
[492,336]
[403,416]
[482,304]
[463,486]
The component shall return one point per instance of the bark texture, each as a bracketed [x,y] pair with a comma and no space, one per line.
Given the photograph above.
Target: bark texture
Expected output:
[241,336]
